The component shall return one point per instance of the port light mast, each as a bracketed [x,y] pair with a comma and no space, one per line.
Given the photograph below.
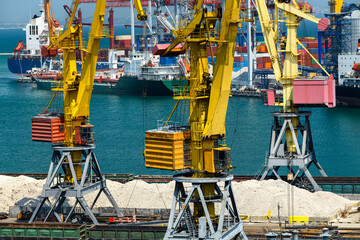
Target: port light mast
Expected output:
[74,170]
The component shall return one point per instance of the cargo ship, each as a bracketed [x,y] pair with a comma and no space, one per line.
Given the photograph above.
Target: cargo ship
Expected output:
[347,58]
[348,90]
[144,74]
[27,55]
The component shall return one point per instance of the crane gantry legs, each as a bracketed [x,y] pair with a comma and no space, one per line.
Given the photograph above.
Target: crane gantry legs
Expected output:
[90,180]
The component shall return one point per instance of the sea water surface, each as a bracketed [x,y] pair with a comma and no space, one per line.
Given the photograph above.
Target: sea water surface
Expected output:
[120,122]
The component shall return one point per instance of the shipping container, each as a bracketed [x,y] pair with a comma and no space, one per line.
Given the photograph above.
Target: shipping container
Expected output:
[43,230]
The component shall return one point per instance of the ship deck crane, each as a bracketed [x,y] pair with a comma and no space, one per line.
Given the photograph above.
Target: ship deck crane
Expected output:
[199,148]
[74,170]
[292,153]
[49,18]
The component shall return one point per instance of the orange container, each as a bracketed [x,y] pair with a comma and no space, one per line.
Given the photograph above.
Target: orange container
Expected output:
[268,65]
[167,149]
[48,128]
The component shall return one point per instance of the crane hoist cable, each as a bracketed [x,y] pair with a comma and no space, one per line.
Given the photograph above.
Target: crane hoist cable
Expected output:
[236,121]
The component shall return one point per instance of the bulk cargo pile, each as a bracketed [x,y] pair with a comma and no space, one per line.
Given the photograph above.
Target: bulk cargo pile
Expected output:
[253,197]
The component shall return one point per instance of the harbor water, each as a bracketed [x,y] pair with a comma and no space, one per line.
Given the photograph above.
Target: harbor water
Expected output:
[120,122]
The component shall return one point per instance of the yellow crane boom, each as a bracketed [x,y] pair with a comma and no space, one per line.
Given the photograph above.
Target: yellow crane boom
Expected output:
[141,16]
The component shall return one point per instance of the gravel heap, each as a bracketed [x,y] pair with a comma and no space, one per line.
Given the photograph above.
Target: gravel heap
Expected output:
[253,197]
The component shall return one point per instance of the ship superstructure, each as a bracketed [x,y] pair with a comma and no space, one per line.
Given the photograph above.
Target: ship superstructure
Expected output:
[29,55]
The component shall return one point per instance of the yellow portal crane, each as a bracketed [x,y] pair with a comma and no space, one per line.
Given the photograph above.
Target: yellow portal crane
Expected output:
[73,153]
[200,147]
[292,153]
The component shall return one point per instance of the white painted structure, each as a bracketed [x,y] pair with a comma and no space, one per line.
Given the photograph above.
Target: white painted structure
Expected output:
[355,30]
[346,62]
[35,34]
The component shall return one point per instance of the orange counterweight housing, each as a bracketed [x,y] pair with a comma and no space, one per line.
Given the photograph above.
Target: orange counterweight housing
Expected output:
[48,128]
[167,148]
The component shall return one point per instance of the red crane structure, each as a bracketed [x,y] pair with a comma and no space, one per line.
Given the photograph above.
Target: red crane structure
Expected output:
[126,3]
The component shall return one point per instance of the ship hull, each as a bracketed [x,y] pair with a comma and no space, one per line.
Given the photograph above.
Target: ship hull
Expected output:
[22,65]
[126,86]
[348,95]
[134,86]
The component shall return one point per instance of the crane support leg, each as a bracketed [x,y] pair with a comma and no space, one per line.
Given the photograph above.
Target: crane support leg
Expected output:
[297,159]
[57,187]
[227,225]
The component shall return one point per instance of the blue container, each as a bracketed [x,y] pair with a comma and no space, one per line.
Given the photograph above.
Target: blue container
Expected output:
[242,65]
[314,50]
[162,61]
[246,64]
[166,61]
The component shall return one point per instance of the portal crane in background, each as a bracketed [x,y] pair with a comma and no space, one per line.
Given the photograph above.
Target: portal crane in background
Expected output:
[291,153]
[49,18]
[199,148]
[74,170]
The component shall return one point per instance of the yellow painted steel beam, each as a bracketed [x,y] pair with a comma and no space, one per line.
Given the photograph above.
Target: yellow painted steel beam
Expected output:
[141,16]
[270,36]
[220,88]
[317,62]
[80,109]
[181,35]
[295,11]
[73,14]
